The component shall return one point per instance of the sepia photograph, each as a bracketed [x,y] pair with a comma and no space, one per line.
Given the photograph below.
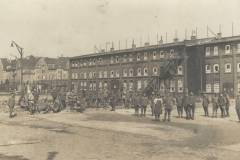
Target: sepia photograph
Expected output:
[119,80]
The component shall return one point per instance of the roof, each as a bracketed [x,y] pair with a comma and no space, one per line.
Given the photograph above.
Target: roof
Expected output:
[57,63]
[187,43]
[29,62]
[8,64]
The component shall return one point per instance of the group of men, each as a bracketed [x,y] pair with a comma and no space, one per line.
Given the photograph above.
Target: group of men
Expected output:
[157,104]
[220,101]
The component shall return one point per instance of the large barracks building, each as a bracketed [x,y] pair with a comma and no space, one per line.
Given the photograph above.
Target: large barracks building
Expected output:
[209,65]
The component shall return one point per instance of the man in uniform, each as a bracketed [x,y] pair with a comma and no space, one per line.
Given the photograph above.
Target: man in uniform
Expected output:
[136,104]
[157,109]
[237,105]
[145,104]
[214,105]
[191,106]
[11,104]
[227,101]
[185,105]
[168,106]
[221,104]
[205,103]
[179,102]
[152,104]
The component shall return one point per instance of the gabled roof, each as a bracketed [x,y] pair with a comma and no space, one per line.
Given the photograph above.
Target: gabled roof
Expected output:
[29,62]
[8,64]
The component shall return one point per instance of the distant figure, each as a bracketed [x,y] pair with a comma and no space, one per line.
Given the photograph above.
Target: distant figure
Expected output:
[205,103]
[214,105]
[185,105]
[191,106]
[237,105]
[221,104]
[113,103]
[157,109]
[136,104]
[144,103]
[152,105]
[179,103]
[227,104]
[168,106]
[11,104]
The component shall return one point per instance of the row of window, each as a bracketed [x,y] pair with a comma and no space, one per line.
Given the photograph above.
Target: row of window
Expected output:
[125,73]
[126,58]
[215,68]
[212,88]
[214,51]
[140,84]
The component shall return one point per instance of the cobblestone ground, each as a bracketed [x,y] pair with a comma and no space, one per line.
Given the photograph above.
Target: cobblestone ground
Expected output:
[100,134]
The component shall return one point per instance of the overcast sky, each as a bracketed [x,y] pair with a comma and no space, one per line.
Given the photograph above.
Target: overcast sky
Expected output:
[73,27]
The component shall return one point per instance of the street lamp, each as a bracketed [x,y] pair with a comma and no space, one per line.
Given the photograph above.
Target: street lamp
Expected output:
[20,51]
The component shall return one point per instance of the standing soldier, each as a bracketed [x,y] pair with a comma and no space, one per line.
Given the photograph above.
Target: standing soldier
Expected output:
[221,104]
[152,104]
[144,103]
[113,102]
[158,109]
[214,105]
[227,101]
[237,105]
[191,106]
[179,102]
[168,105]
[135,104]
[11,104]
[205,103]
[185,105]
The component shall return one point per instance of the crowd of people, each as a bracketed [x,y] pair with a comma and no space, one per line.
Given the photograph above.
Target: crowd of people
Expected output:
[164,104]
[159,104]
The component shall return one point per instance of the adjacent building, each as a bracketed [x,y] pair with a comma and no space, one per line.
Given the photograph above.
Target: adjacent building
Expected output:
[209,65]
[52,72]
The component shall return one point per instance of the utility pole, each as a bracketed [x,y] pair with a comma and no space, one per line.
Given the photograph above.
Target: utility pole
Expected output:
[20,51]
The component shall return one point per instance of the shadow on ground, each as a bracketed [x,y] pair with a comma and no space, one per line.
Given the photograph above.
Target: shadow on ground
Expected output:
[15,157]
[52,155]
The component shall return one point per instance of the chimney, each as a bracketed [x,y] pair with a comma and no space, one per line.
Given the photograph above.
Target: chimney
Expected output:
[146,44]
[175,40]
[219,35]
[112,48]
[160,41]
[133,44]
[193,37]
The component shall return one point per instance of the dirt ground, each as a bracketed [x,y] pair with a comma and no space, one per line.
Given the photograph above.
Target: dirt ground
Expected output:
[100,134]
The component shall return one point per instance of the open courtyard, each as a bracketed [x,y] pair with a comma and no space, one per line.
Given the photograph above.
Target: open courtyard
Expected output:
[99,134]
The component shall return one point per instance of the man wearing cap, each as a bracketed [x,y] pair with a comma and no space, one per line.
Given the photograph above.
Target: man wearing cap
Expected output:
[221,104]
[214,105]
[179,103]
[168,105]
[227,104]
[11,104]
[191,105]
[205,103]
[237,105]
[144,103]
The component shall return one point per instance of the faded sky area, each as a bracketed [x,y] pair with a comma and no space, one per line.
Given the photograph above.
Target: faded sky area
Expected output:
[72,27]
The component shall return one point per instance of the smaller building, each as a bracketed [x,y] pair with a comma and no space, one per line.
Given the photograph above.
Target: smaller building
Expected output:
[52,72]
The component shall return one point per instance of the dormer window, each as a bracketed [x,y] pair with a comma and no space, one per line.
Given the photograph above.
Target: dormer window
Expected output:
[227,49]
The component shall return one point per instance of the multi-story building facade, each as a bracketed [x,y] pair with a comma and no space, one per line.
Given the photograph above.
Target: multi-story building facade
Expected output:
[222,65]
[7,73]
[52,72]
[210,65]
[131,69]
